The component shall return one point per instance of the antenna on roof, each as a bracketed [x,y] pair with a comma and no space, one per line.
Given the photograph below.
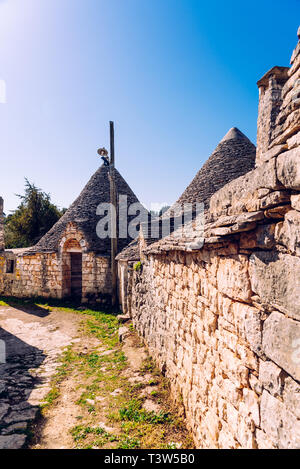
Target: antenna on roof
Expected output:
[113,201]
[110,162]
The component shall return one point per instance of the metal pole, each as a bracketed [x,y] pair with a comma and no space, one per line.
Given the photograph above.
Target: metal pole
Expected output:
[113,201]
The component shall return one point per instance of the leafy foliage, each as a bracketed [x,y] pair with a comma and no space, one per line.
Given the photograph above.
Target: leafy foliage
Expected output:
[35,216]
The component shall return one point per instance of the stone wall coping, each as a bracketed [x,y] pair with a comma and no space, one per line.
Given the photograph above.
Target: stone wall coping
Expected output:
[279,72]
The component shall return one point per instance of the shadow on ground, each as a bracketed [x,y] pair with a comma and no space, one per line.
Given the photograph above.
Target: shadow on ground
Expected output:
[16,385]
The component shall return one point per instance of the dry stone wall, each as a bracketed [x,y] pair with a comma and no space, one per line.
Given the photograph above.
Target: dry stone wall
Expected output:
[223,322]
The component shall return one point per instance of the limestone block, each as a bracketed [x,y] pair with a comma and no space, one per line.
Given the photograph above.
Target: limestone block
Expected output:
[240,194]
[275,151]
[234,368]
[226,439]
[245,433]
[249,407]
[255,384]
[236,228]
[232,277]
[232,418]
[275,278]
[290,126]
[248,358]
[245,319]
[290,83]
[262,237]
[271,415]
[263,441]
[278,212]
[281,343]
[295,202]
[294,67]
[288,168]
[293,141]
[288,232]
[230,392]
[291,396]
[295,53]
[273,199]
[211,423]
[271,377]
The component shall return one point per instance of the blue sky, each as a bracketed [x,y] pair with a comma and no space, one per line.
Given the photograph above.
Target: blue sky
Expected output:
[174,75]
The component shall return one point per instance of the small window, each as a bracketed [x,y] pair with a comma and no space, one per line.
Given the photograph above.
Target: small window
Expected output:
[10,266]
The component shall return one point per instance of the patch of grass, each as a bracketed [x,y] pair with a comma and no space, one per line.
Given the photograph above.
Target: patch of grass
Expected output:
[148,365]
[137,266]
[51,397]
[80,432]
[129,443]
[133,411]
[153,382]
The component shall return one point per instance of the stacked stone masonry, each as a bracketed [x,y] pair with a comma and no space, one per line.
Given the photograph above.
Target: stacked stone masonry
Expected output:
[223,322]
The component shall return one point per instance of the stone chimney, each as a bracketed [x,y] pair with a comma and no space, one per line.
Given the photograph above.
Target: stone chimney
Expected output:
[270,101]
[2,243]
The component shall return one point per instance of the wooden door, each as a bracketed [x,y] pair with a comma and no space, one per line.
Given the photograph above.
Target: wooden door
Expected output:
[76,274]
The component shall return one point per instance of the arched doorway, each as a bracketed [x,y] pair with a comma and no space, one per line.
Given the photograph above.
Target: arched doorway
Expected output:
[72,268]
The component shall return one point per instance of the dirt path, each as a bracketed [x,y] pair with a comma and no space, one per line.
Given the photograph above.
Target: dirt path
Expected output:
[88,389]
[33,339]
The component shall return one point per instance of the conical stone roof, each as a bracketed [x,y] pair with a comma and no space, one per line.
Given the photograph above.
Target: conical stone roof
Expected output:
[83,213]
[233,157]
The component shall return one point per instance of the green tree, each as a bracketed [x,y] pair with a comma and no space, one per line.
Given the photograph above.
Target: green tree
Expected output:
[32,219]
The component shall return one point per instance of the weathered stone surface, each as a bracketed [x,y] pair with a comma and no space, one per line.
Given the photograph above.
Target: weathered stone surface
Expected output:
[271,377]
[288,168]
[262,440]
[17,416]
[294,141]
[281,343]
[236,228]
[295,66]
[237,219]
[288,232]
[123,333]
[275,151]
[277,212]
[241,194]
[123,318]
[275,278]
[271,415]
[20,426]
[3,409]
[296,52]
[249,407]
[289,432]
[232,277]
[289,127]
[15,441]
[291,396]
[295,201]
[262,237]
[274,199]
